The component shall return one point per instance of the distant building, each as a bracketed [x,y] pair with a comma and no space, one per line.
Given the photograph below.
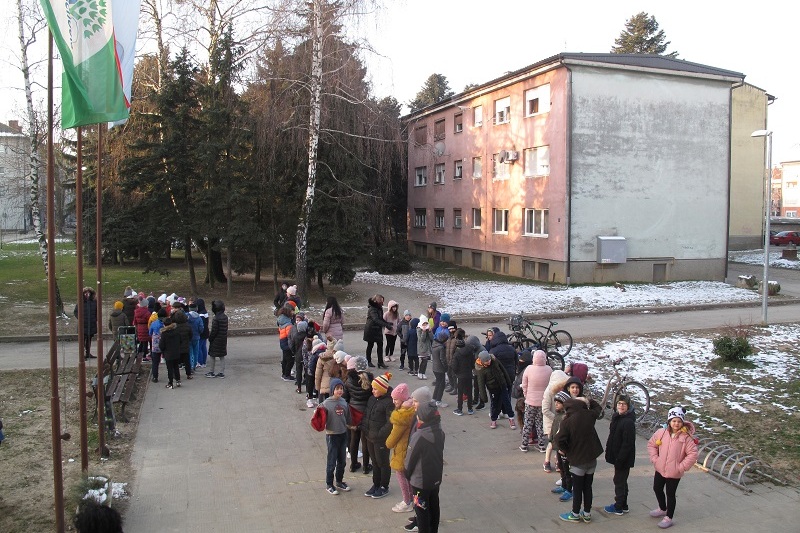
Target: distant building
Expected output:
[787,189]
[14,189]
[581,168]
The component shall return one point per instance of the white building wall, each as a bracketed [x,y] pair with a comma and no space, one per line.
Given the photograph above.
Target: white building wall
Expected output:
[649,163]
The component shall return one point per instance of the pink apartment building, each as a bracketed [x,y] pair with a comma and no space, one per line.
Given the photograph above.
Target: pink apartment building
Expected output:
[581,168]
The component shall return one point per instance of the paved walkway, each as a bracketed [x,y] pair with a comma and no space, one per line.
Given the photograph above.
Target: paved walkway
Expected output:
[239,455]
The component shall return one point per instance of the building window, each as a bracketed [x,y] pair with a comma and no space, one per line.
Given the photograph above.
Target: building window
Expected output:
[528,269]
[502,110]
[477,260]
[791,214]
[476,218]
[499,170]
[421,250]
[500,218]
[421,176]
[544,271]
[477,116]
[458,169]
[420,218]
[500,264]
[421,135]
[439,173]
[438,130]
[537,100]
[537,161]
[536,222]
[438,253]
[457,218]
[477,167]
[458,122]
[438,218]
[458,256]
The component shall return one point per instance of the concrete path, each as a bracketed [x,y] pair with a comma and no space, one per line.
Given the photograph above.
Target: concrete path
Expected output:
[239,455]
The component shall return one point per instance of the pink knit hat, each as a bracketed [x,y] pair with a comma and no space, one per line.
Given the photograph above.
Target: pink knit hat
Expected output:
[351,363]
[401,393]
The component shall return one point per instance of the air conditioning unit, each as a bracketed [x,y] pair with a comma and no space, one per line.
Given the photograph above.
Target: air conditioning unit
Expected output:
[512,155]
[501,156]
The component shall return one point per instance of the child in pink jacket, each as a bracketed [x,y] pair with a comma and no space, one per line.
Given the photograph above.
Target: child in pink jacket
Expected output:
[673,451]
[535,379]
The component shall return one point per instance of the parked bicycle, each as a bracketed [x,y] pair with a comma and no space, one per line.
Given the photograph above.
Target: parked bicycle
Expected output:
[529,334]
[618,384]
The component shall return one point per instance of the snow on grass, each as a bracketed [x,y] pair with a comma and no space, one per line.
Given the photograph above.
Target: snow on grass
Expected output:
[756,257]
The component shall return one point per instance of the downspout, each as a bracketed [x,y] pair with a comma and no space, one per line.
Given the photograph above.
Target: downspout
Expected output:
[730,162]
[568,135]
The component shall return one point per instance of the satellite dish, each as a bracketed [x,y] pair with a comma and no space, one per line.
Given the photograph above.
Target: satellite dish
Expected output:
[439,148]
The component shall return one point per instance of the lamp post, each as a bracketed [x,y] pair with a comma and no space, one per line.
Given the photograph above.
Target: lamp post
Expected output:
[767,212]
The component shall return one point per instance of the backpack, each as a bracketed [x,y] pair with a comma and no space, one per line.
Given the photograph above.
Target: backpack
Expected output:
[320,418]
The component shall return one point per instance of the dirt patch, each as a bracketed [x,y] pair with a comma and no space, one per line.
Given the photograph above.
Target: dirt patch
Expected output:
[26,501]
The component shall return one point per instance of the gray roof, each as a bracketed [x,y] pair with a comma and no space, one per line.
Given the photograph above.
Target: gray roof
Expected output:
[642,61]
[6,130]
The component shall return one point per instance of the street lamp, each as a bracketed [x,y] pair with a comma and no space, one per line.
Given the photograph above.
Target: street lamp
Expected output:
[767,213]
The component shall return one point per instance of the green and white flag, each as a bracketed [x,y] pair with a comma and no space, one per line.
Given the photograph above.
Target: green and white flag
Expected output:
[92,90]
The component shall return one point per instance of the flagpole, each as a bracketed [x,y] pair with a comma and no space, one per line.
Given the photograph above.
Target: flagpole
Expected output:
[81,318]
[55,405]
[101,393]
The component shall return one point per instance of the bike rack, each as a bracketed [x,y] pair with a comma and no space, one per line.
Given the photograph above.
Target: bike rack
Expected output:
[736,467]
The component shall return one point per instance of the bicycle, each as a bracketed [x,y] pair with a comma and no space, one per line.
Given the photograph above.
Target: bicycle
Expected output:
[520,342]
[622,384]
[545,337]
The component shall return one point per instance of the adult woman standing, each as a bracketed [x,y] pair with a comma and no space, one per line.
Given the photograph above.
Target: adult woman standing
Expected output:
[373,329]
[89,320]
[333,319]
[392,315]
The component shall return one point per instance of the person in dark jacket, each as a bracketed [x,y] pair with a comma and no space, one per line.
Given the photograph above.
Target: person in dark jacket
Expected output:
[129,302]
[185,334]
[118,319]
[413,357]
[463,361]
[357,391]
[621,452]
[170,344]
[578,441]
[202,354]
[280,297]
[502,350]
[89,320]
[492,376]
[218,339]
[373,329]
[424,465]
[377,426]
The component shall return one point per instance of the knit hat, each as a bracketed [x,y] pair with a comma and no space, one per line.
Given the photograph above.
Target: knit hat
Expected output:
[484,357]
[572,380]
[338,345]
[351,363]
[401,393]
[361,364]
[624,398]
[561,396]
[316,343]
[406,313]
[525,357]
[427,411]
[142,295]
[423,322]
[336,382]
[339,357]
[381,383]
[432,305]
[118,305]
[422,395]
[302,326]
[676,412]
[292,291]
[128,292]
[445,317]
[143,302]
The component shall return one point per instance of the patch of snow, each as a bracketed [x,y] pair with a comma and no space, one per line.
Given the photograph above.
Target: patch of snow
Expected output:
[756,257]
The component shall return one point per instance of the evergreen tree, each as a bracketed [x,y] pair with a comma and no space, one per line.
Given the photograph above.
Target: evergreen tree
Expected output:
[642,36]
[435,89]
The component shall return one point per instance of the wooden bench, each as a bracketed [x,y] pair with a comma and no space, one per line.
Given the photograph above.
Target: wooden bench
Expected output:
[123,381]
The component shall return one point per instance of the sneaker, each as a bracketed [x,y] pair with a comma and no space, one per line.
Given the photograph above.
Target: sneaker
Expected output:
[612,509]
[625,510]
[586,516]
[380,492]
[371,491]
[411,526]
[665,522]
[657,513]
[547,468]
[493,425]
[355,466]
[558,482]
[480,407]
[220,375]
[309,402]
[332,490]
[523,448]
[412,373]
[511,423]
[342,486]
[570,517]
[287,378]
[421,376]
[557,490]
[210,375]
[541,449]
[565,496]
[471,412]
[155,380]
[370,364]
[401,367]
[441,404]
[169,385]
[177,383]
[367,470]
[403,507]
[458,412]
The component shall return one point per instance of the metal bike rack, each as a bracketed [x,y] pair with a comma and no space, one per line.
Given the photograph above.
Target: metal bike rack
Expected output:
[736,467]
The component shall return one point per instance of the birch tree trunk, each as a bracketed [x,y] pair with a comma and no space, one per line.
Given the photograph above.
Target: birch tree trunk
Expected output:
[34,161]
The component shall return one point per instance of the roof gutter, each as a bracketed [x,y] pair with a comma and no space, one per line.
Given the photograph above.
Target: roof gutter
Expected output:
[637,68]
[568,135]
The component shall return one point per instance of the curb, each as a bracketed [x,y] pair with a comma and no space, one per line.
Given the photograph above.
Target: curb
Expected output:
[250,332]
